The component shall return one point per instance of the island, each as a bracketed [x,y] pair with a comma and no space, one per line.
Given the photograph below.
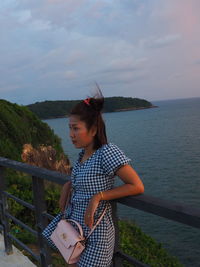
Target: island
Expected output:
[61,108]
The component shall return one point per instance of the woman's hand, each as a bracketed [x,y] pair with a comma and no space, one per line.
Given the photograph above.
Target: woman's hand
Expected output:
[65,196]
[90,211]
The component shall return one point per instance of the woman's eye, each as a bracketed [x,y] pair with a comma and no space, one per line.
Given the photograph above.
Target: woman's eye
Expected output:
[73,128]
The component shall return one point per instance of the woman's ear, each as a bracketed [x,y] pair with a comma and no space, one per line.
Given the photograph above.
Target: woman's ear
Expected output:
[93,130]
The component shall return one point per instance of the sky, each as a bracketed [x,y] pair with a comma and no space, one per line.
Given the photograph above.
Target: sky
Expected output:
[58,49]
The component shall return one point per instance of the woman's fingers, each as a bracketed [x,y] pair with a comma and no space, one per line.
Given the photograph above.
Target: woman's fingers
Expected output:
[90,211]
[89,214]
[89,219]
[91,222]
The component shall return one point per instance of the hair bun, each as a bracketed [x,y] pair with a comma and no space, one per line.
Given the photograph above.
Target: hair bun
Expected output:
[97,104]
[97,100]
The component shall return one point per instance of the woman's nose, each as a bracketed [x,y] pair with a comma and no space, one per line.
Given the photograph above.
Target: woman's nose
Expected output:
[71,134]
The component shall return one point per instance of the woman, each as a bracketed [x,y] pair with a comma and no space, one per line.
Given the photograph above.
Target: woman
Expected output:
[92,181]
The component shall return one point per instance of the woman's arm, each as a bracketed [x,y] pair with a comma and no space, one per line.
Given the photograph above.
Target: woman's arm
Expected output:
[65,195]
[133,186]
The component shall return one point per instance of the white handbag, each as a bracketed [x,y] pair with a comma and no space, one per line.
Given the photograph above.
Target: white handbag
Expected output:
[69,242]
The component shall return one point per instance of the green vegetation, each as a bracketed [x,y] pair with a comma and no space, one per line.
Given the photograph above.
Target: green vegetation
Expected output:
[56,109]
[143,247]
[125,103]
[18,125]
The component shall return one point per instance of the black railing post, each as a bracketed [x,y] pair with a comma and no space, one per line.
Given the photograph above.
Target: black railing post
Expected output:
[40,207]
[3,209]
[117,261]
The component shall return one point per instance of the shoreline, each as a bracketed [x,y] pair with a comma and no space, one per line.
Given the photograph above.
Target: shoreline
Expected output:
[134,108]
[117,110]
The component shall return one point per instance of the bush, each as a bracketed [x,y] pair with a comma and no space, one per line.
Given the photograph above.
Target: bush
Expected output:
[143,247]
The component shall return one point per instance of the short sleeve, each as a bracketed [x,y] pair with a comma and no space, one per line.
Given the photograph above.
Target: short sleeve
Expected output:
[113,158]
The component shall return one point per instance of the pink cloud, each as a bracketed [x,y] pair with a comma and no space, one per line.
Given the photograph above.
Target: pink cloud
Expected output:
[182,16]
[96,10]
[70,74]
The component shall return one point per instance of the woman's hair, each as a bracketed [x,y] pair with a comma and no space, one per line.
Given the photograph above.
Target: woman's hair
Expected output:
[90,111]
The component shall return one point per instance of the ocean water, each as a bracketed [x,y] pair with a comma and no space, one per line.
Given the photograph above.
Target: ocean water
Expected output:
[164,145]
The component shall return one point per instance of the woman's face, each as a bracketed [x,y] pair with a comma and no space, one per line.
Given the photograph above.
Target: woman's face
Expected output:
[80,136]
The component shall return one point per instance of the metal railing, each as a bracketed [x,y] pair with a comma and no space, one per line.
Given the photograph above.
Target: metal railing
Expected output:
[170,210]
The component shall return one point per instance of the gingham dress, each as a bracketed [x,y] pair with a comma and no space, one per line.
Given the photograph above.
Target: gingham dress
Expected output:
[88,178]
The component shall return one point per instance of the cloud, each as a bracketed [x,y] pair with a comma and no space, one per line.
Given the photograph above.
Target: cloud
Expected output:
[125,65]
[57,13]
[40,25]
[76,56]
[8,88]
[51,47]
[23,16]
[166,40]
[70,74]
[197,62]
[181,17]
[161,41]
[175,76]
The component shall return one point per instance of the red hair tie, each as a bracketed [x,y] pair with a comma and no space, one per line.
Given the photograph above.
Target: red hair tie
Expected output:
[87,101]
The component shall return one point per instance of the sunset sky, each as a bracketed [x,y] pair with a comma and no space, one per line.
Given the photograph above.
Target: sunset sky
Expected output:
[58,49]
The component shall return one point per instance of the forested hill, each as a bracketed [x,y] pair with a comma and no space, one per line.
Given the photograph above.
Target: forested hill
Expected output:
[18,126]
[56,109]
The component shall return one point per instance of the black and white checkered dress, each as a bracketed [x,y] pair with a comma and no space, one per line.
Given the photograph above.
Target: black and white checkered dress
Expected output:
[88,178]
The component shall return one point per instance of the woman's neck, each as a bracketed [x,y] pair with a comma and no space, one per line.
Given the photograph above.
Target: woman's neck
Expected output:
[88,151]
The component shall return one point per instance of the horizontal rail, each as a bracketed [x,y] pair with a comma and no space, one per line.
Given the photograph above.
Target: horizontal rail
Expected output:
[26,204]
[21,223]
[168,209]
[24,247]
[130,259]
[49,175]
[20,201]
[49,216]
[172,210]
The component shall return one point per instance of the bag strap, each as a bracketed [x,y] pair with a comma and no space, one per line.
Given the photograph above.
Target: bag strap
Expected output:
[100,218]
[79,226]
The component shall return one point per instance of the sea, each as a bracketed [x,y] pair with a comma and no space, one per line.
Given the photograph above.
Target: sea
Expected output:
[164,146]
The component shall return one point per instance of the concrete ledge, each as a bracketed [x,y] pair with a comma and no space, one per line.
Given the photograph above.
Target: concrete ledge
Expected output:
[17,259]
